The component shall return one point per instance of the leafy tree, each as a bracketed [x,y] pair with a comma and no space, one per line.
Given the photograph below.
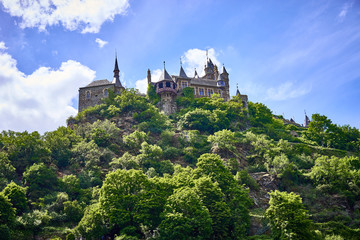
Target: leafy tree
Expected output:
[60,143]
[126,161]
[134,140]
[259,114]
[73,210]
[150,155]
[17,196]
[7,212]
[40,180]
[288,217]
[7,171]
[34,221]
[224,140]
[152,95]
[24,149]
[86,154]
[71,185]
[120,194]
[198,119]
[104,132]
[92,225]
[319,126]
[185,217]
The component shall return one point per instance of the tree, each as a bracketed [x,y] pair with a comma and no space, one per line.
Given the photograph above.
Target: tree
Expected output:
[40,180]
[152,95]
[17,196]
[318,128]
[7,212]
[71,185]
[86,154]
[259,114]
[92,224]
[60,143]
[7,171]
[185,217]
[134,140]
[288,217]
[198,119]
[104,133]
[120,194]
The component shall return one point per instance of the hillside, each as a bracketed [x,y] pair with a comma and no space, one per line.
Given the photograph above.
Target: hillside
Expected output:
[213,170]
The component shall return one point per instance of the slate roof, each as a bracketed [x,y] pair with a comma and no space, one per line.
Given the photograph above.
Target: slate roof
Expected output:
[98,83]
[182,73]
[224,69]
[205,82]
[165,76]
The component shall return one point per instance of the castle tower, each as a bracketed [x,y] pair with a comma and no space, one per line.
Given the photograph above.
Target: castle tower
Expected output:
[116,71]
[148,76]
[209,69]
[166,89]
[225,77]
[307,121]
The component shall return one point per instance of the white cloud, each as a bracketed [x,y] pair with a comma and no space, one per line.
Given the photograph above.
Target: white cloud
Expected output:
[41,101]
[344,10]
[101,43]
[86,15]
[142,84]
[286,91]
[2,46]
[196,58]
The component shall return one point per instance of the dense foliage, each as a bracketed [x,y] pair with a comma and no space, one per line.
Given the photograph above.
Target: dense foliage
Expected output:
[124,170]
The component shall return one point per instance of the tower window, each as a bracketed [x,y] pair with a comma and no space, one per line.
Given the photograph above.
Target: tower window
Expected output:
[174,86]
[88,94]
[167,84]
[106,93]
[161,85]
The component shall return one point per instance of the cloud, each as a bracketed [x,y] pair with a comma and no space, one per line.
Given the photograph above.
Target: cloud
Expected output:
[2,46]
[41,101]
[344,11]
[101,43]
[196,58]
[286,91]
[85,15]
[142,84]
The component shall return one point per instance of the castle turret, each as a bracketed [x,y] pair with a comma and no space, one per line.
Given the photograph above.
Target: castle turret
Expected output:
[116,79]
[307,121]
[209,70]
[166,89]
[225,78]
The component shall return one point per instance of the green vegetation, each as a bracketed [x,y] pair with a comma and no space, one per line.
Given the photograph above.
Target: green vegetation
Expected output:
[124,170]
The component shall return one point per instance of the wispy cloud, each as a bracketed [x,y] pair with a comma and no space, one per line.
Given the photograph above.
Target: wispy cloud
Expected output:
[86,15]
[100,42]
[344,11]
[286,91]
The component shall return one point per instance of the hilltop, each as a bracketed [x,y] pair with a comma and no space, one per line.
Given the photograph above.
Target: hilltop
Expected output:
[124,170]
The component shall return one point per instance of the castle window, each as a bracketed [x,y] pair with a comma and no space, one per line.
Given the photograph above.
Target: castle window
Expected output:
[167,84]
[184,84]
[210,92]
[174,86]
[201,92]
[161,85]
[106,93]
[88,94]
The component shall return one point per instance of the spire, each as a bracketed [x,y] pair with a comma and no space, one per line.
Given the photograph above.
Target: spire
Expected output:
[148,76]
[116,71]
[165,75]
[224,69]
[196,75]
[237,90]
[182,72]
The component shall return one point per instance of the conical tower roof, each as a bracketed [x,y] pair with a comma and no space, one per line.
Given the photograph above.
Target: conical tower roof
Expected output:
[224,69]
[182,73]
[116,71]
[165,75]
[196,75]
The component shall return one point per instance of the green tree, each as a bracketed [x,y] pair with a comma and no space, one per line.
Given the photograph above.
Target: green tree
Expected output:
[60,143]
[71,185]
[120,194]
[92,225]
[288,217]
[40,180]
[126,161]
[17,196]
[185,217]
[134,140]
[7,212]
[86,154]
[152,95]
[7,171]
[318,129]
[104,133]
[259,114]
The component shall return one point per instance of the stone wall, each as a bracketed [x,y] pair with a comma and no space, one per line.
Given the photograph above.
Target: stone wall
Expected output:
[91,96]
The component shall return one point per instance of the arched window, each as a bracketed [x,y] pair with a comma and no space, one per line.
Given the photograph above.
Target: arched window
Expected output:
[88,94]
[106,93]
[161,85]
[168,84]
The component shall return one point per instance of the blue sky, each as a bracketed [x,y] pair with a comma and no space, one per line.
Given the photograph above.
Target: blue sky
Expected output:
[290,55]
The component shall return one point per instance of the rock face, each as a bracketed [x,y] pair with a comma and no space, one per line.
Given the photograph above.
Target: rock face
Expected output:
[167,105]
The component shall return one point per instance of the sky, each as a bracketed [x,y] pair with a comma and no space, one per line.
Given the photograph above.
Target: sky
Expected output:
[293,56]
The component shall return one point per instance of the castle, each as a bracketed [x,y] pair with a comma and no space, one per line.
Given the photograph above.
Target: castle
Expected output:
[167,87]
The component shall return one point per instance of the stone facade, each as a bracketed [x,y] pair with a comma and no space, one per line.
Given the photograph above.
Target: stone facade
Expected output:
[92,94]
[168,87]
